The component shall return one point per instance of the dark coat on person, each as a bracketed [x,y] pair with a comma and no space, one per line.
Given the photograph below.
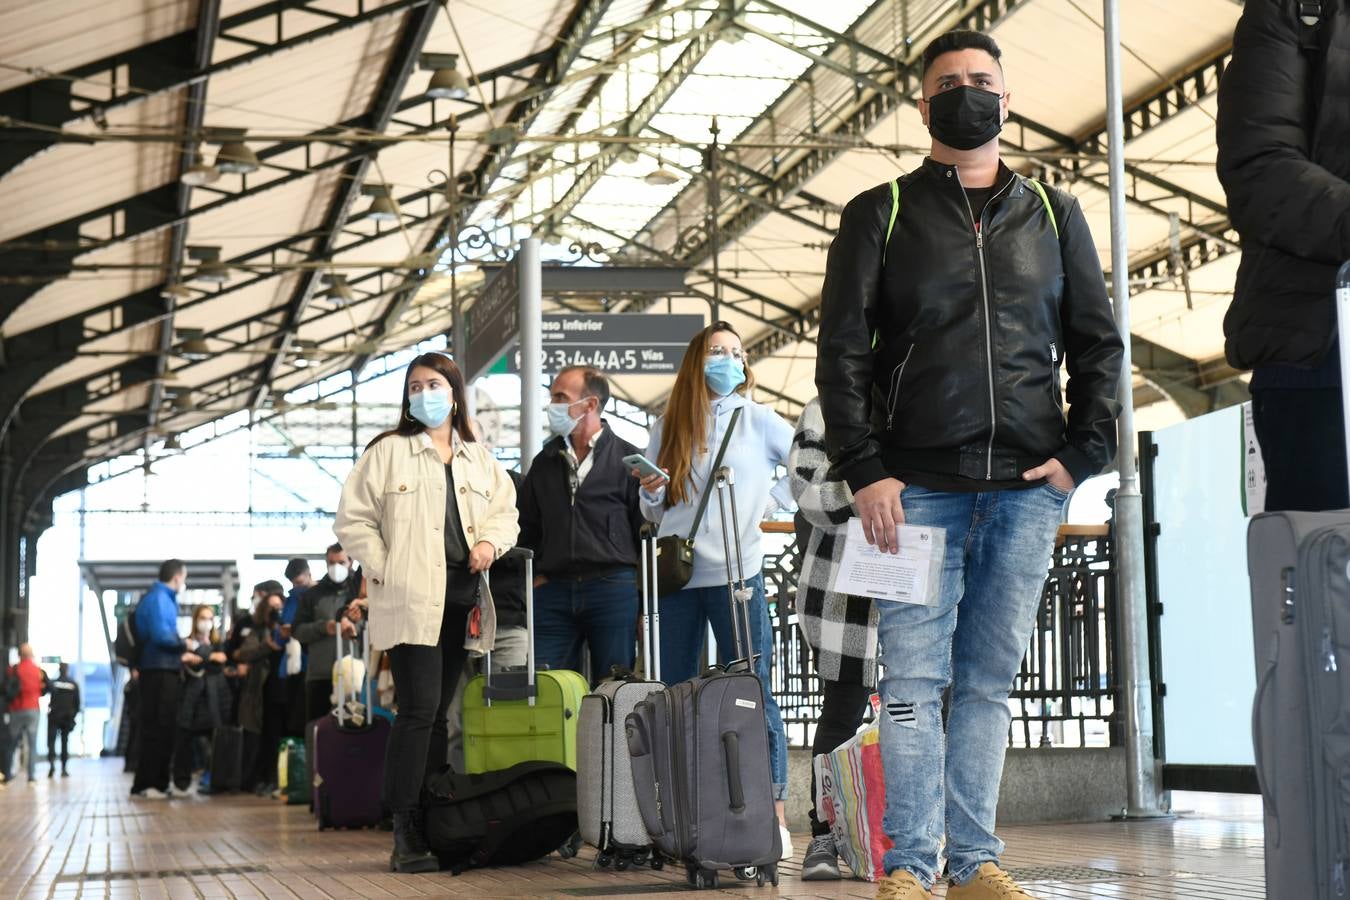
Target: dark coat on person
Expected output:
[1284,161]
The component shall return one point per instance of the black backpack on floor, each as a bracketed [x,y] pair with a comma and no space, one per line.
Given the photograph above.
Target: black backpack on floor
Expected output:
[500,818]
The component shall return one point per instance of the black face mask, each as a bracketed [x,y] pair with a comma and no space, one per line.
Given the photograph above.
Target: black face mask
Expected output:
[966,117]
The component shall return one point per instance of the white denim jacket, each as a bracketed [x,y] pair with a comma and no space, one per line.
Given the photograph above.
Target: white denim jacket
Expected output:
[391,519]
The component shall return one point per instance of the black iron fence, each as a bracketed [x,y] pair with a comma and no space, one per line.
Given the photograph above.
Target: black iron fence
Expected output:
[1064,695]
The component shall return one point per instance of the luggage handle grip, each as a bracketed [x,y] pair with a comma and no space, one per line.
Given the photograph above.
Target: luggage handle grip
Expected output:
[1258,732]
[731,749]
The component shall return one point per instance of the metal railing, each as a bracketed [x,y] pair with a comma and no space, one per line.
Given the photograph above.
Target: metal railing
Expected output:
[1063,696]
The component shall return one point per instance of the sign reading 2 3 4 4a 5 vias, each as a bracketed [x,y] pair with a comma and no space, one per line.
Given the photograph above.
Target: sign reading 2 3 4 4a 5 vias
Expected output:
[618,343]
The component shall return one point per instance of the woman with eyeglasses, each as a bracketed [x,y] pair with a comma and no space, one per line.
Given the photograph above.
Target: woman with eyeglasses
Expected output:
[713,383]
[426,510]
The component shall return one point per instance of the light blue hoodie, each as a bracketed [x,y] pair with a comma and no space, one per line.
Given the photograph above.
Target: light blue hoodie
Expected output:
[758,447]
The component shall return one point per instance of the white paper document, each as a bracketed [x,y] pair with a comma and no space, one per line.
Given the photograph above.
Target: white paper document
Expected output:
[914,575]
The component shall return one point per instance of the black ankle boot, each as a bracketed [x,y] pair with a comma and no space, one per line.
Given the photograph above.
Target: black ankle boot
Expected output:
[411,854]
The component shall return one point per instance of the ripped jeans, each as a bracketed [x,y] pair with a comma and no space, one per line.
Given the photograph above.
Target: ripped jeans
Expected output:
[999,545]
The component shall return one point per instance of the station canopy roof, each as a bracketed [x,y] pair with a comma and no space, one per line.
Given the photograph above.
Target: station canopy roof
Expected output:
[212,203]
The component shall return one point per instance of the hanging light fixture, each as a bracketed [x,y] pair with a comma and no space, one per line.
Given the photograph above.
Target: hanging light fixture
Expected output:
[172,444]
[306,353]
[661,176]
[383,206]
[447,81]
[199,173]
[182,401]
[209,267]
[176,291]
[339,293]
[192,345]
[628,154]
[235,157]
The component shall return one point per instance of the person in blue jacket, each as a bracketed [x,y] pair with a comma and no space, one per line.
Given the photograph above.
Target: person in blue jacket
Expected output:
[162,653]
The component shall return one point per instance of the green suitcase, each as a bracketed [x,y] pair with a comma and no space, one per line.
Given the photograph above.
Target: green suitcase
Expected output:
[517,717]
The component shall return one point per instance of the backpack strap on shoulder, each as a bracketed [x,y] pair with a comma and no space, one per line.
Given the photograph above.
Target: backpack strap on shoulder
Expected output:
[1045,199]
[890,227]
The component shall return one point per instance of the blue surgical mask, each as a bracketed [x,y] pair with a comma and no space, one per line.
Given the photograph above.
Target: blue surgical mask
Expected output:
[431,408]
[724,374]
[559,422]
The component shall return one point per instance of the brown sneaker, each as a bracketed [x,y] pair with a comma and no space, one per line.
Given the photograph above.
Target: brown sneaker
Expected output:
[902,885]
[990,883]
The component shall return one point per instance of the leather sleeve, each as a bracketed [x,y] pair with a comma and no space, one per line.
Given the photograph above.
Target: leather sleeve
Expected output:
[844,363]
[1276,193]
[1094,352]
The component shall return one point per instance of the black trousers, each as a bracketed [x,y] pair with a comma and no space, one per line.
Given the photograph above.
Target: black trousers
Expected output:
[296,704]
[157,708]
[317,699]
[188,745]
[58,730]
[841,713]
[425,680]
[267,743]
[1302,437]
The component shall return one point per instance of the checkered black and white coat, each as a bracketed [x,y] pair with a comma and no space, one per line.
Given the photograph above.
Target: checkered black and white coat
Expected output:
[841,629]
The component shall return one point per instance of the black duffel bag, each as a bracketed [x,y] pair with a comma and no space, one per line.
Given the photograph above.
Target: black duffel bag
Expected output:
[502,818]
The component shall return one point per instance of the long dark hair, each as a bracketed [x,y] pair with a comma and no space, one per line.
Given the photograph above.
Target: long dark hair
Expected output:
[459,418]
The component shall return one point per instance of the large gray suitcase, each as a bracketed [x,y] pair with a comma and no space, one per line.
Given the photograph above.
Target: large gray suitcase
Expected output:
[1299,564]
[700,756]
[607,808]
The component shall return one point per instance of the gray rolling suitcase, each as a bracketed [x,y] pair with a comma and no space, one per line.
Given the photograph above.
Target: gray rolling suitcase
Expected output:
[700,755]
[1299,564]
[607,807]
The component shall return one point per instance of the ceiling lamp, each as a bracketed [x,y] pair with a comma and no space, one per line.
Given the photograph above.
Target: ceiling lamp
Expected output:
[628,154]
[209,267]
[732,33]
[199,173]
[172,444]
[661,176]
[193,346]
[182,400]
[447,81]
[296,451]
[236,157]
[339,293]
[176,291]
[383,206]
[306,354]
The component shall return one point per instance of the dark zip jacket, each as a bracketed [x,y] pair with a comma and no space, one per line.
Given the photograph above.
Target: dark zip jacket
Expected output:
[944,360]
[596,535]
[1284,161]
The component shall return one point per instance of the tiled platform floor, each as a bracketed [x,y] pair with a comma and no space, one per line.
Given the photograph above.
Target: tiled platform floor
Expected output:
[83,836]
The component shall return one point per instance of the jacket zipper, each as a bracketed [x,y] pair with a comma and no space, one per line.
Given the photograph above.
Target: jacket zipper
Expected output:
[1054,374]
[894,396]
[988,317]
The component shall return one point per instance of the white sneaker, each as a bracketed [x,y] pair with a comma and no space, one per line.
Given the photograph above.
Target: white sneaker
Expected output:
[154,794]
[786,837]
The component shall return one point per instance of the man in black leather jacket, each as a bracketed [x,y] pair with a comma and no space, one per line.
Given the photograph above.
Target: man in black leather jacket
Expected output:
[1284,161]
[950,301]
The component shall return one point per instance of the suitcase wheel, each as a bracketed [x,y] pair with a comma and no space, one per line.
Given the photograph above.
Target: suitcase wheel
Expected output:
[571,847]
[746,873]
[602,860]
[703,878]
[773,874]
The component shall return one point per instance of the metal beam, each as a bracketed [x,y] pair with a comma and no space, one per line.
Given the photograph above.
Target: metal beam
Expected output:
[564,53]
[54,101]
[208,24]
[1184,380]
[401,65]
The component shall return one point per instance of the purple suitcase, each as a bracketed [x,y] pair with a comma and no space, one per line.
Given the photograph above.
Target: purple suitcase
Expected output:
[349,763]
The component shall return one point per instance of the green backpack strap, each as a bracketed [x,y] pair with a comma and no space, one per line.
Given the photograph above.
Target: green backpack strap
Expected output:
[890,227]
[1045,198]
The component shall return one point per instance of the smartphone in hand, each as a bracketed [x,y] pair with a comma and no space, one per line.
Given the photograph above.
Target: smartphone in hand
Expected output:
[645,466]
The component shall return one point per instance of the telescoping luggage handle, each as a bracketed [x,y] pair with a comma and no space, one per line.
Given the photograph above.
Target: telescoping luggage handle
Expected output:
[509,686]
[737,592]
[1343,322]
[651,609]
[356,689]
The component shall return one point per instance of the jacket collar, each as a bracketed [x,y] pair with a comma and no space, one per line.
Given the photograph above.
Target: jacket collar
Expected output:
[944,171]
[724,405]
[422,442]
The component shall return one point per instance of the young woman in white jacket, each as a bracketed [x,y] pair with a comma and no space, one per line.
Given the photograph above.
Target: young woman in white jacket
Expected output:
[426,509]
[712,384]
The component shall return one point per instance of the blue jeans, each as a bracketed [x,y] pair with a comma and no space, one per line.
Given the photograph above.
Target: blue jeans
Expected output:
[684,615]
[601,612]
[23,727]
[998,551]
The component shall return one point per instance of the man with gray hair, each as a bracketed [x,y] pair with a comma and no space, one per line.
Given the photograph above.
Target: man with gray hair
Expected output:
[579,514]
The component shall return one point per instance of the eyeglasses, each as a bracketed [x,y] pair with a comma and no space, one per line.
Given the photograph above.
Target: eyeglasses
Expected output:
[719,352]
